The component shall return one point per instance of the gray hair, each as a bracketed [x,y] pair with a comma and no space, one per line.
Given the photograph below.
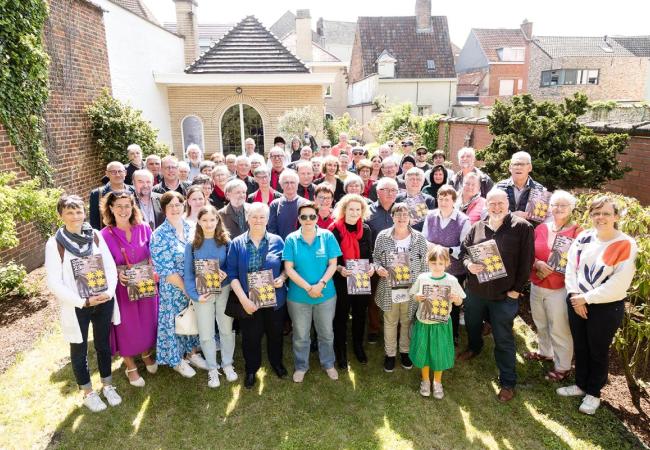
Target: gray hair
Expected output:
[183,165]
[257,207]
[288,173]
[260,170]
[496,192]
[256,157]
[193,147]
[233,184]
[113,164]
[151,157]
[415,171]
[384,181]
[241,158]
[390,160]
[304,164]
[142,173]
[206,163]
[325,141]
[351,179]
[466,151]
[522,155]
[133,148]
[249,141]
[563,195]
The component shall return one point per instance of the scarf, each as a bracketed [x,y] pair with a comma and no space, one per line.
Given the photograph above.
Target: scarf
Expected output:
[463,206]
[218,192]
[78,244]
[366,189]
[349,239]
[257,198]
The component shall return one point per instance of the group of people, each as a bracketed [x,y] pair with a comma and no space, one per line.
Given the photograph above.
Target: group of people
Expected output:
[306,215]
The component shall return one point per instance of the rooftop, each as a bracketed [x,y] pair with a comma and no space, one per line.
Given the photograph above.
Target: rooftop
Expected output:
[491,39]
[563,46]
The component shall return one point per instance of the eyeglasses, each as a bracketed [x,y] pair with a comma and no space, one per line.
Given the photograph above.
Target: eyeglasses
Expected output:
[325,146]
[391,145]
[597,214]
[558,206]
[175,205]
[324,199]
[357,153]
[389,191]
[518,164]
[401,214]
[423,152]
[116,171]
[308,217]
[276,156]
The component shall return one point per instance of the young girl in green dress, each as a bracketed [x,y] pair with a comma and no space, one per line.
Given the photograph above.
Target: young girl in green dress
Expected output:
[432,342]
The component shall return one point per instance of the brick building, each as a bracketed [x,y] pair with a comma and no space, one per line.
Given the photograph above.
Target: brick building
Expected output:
[75,42]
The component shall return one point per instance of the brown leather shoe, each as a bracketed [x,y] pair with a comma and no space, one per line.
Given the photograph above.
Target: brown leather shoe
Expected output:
[466,355]
[506,394]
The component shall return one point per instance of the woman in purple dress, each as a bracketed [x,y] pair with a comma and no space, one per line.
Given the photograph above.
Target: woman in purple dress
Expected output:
[128,239]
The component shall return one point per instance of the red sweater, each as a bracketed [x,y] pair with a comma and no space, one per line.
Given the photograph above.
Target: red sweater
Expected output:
[543,251]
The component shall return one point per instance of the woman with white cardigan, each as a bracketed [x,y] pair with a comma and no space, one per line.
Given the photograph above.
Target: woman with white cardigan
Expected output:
[76,239]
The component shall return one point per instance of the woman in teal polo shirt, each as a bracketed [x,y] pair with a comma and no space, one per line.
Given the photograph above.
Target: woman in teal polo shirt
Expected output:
[310,255]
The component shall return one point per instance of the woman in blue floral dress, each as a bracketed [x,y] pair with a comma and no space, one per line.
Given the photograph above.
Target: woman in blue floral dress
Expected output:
[167,252]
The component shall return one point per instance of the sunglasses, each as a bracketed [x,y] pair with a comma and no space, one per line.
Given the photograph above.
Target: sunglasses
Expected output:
[357,153]
[422,153]
[325,146]
[308,217]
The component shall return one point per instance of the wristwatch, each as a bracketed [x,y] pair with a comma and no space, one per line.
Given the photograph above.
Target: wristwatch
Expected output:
[324,282]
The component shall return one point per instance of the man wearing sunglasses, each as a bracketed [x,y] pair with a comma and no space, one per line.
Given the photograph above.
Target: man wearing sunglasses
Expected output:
[421,159]
[358,153]
[116,173]
[325,149]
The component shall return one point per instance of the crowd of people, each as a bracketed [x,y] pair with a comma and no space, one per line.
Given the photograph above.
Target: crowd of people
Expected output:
[308,215]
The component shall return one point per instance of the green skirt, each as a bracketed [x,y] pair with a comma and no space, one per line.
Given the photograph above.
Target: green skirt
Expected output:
[432,345]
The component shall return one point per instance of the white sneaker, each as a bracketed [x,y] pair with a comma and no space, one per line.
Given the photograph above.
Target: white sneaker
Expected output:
[589,405]
[299,376]
[570,391]
[184,369]
[332,373]
[197,361]
[230,373]
[438,392]
[213,378]
[111,395]
[94,403]
[425,388]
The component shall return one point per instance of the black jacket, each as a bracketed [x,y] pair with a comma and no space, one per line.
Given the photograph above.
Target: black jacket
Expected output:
[94,215]
[159,214]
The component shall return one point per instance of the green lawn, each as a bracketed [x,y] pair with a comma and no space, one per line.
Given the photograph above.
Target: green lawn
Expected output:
[366,408]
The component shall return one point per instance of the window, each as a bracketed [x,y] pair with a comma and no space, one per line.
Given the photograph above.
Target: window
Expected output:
[511,54]
[328,91]
[520,84]
[569,77]
[386,69]
[506,87]
[239,122]
[329,116]
[431,65]
[192,132]
[424,110]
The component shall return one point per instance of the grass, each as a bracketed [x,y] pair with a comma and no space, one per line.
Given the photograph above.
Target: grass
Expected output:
[366,408]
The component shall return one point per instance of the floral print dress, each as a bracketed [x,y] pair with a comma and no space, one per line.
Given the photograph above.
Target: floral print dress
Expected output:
[167,253]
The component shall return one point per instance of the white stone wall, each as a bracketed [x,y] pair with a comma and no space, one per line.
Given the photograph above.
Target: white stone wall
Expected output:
[136,49]
[438,95]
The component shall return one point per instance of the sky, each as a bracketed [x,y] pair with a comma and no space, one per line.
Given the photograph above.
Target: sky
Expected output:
[550,18]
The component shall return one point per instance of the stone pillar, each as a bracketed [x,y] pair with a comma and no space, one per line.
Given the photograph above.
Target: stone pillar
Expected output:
[187,26]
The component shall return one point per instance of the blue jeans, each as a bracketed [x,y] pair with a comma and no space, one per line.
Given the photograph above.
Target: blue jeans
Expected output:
[502,314]
[301,317]
[205,315]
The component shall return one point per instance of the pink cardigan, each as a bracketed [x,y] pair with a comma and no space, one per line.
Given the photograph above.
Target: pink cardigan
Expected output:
[475,209]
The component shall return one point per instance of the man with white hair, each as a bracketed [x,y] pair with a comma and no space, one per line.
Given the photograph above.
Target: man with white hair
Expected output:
[385,150]
[116,174]
[389,167]
[325,148]
[183,171]
[249,147]
[233,215]
[171,180]
[193,156]
[147,200]
[153,164]
[305,155]
[242,172]
[497,298]
[342,146]
[518,186]
[415,198]
[283,218]
[467,163]
[134,154]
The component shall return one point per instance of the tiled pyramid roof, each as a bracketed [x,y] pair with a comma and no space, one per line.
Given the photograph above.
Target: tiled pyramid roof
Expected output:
[248,48]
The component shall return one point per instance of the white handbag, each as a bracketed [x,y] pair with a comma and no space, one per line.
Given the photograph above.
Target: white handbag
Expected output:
[185,322]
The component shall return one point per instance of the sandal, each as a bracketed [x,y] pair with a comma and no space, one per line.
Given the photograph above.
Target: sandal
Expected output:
[535,356]
[557,375]
[151,368]
[138,382]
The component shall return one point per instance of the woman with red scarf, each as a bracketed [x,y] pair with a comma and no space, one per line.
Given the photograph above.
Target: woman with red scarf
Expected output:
[355,239]
[220,177]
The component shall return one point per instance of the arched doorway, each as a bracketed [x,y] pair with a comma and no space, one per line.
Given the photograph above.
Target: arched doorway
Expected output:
[239,122]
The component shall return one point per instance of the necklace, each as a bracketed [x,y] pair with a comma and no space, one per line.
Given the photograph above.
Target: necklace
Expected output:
[558,229]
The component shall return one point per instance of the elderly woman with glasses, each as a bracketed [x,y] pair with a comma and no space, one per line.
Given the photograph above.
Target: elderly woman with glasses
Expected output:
[599,272]
[310,259]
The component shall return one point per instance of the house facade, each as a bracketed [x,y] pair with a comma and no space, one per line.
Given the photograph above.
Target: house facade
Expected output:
[600,67]
[402,59]
[492,64]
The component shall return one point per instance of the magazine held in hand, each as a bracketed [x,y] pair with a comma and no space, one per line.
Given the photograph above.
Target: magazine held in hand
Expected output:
[559,253]
[487,254]
[400,273]
[436,305]
[538,204]
[260,288]
[141,282]
[207,276]
[89,275]
[359,281]
[418,208]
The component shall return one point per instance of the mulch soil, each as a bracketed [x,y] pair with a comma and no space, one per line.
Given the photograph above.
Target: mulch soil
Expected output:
[23,321]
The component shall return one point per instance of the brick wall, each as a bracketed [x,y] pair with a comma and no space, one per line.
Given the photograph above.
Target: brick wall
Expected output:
[500,72]
[75,41]
[636,183]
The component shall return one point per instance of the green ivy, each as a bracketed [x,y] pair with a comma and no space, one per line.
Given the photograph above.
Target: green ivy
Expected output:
[24,82]
[398,122]
[116,125]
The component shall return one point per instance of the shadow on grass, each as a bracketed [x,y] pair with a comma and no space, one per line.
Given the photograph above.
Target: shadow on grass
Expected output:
[366,408]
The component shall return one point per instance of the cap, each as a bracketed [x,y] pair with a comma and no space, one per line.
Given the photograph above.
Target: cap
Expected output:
[278,139]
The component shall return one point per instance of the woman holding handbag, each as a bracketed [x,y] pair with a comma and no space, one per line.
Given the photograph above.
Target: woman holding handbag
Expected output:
[210,243]
[167,252]
[253,251]
[128,240]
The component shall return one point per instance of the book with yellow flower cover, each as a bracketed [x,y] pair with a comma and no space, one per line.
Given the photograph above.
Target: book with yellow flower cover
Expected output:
[487,254]
[261,290]
[359,281]
[538,205]
[207,276]
[436,305]
[418,208]
[399,270]
[141,281]
[89,275]
[559,253]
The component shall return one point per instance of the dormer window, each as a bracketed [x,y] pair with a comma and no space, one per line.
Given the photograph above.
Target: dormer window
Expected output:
[386,65]
[511,54]
[431,65]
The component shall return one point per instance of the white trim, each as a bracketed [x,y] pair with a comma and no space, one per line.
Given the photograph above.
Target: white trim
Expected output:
[183,135]
[241,104]
[325,64]
[418,80]
[503,63]
[243,79]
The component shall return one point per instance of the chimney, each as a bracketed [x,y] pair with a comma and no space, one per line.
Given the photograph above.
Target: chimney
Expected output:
[423,16]
[527,29]
[303,35]
[187,26]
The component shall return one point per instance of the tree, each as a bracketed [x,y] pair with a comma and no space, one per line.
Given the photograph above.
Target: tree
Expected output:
[565,153]
[342,124]
[116,125]
[398,122]
[295,121]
